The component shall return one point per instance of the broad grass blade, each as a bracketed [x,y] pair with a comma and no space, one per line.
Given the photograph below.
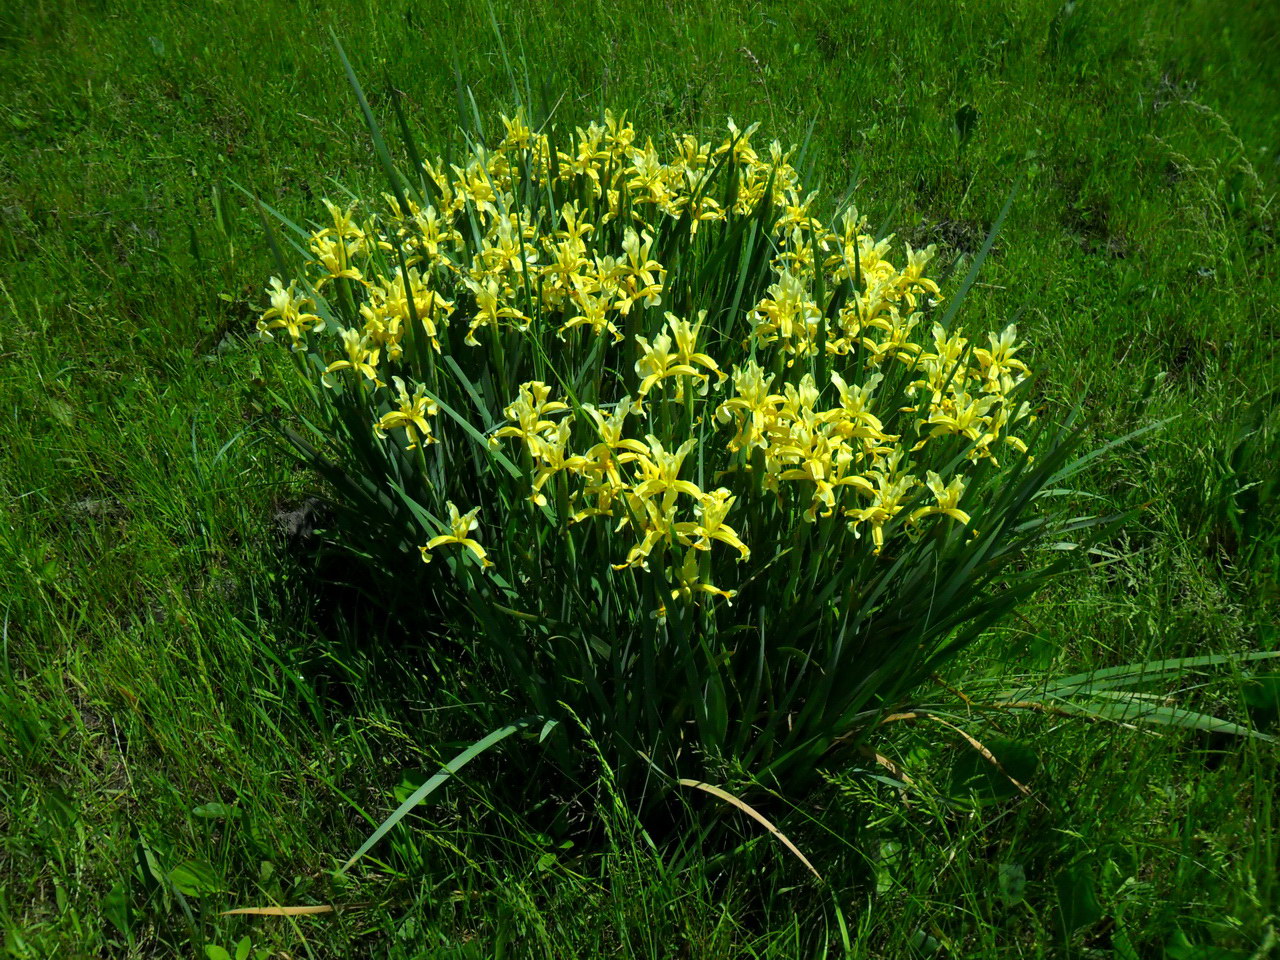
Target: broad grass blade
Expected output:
[428,788]
[1111,678]
[972,275]
[379,145]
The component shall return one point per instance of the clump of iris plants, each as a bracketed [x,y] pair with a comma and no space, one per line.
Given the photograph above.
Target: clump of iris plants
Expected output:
[676,458]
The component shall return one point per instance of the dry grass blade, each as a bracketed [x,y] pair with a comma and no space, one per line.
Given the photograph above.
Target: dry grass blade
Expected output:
[888,765]
[280,911]
[1038,707]
[753,814]
[969,738]
[977,745]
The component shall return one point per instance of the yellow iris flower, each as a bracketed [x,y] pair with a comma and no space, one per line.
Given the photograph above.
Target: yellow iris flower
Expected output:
[490,311]
[740,142]
[898,343]
[475,186]
[659,362]
[889,493]
[947,497]
[602,459]
[549,452]
[576,226]
[648,173]
[660,470]
[362,357]
[334,256]
[519,135]
[431,233]
[505,250]
[674,354]
[999,366]
[754,407]
[460,525]
[593,311]
[657,521]
[640,278]
[566,263]
[688,579]
[411,414]
[431,308]
[685,335]
[344,225]
[530,411]
[712,508]
[788,314]
[960,414]
[382,329]
[288,312]
[853,418]
[913,278]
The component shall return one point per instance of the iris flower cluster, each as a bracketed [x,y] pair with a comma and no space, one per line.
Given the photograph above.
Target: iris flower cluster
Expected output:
[687,432]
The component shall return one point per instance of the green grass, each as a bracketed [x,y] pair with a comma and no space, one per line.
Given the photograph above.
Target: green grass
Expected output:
[191,722]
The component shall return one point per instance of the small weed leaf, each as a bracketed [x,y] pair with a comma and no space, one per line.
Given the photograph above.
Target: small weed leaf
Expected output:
[1011,878]
[215,811]
[196,878]
[1180,948]
[1261,695]
[754,815]
[966,121]
[430,786]
[117,909]
[311,911]
[974,775]
[1077,900]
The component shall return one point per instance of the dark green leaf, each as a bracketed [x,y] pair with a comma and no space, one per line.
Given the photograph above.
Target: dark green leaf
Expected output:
[1077,901]
[966,121]
[1012,881]
[196,878]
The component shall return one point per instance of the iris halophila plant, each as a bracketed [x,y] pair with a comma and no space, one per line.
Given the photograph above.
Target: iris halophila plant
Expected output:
[689,463]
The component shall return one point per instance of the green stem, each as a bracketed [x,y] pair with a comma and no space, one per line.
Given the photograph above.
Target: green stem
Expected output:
[348,299]
[422,465]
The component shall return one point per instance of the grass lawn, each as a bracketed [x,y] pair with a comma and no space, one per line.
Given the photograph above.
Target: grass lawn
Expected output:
[190,722]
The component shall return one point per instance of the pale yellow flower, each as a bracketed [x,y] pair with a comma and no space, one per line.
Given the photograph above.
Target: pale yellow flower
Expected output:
[689,580]
[947,497]
[362,357]
[289,312]
[410,413]
[712,509]
[460,526]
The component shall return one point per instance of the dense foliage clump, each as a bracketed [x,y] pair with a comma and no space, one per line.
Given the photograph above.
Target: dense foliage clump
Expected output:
[699,467]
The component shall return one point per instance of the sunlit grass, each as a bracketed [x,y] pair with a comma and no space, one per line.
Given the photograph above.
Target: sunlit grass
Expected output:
[184,709]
